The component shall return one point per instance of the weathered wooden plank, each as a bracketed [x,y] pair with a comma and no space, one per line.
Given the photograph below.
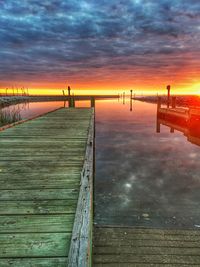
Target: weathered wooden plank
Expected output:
[40,165]
[34,245]
[36,223]
[34,262]
[80,253]
[38,207]
[33,142]
[113,250]
[150,259]
[42,158]
[40,194]
[69,174]
[124,231]
[149,243]
[29,167]
[142,265]
[124,237]
[37,163]
[40,132]
[41,152]
[122,246]
[40,183]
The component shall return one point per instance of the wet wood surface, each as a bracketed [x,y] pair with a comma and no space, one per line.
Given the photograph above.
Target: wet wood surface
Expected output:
[145,247]
[40,170]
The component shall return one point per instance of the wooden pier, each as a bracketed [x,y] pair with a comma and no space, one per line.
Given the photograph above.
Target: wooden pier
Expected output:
[46,172]
[132,247]
[185,120]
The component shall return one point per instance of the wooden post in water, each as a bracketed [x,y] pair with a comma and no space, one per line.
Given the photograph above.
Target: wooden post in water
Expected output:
[157,119]
[123,98]
[173,102]
[131,99]
[92,101]
[168,95]
[158,103]
[157,125]
[69,90]
[131,93]
[71,102]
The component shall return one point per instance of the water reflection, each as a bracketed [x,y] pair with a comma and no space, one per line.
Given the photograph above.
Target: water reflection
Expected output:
[186,121]
[144,179]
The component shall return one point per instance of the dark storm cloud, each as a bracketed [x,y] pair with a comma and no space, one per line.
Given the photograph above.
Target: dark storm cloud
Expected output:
[69,37]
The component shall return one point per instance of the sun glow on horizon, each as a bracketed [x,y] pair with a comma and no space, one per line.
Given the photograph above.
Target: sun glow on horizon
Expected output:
[109,90]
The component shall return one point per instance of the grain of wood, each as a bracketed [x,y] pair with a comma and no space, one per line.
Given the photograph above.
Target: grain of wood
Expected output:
[40,170]
[121,246]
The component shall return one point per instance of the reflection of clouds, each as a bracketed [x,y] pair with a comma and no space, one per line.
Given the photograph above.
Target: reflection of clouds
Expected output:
[133,178]
[145,175]
[192,155]
[128,185]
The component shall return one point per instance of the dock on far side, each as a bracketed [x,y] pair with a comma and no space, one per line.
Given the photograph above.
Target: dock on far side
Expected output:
[46,172]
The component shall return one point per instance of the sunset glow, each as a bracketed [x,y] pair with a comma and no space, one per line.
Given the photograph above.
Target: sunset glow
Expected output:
[100,47]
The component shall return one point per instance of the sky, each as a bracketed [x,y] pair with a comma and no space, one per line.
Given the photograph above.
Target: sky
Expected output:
[102,45]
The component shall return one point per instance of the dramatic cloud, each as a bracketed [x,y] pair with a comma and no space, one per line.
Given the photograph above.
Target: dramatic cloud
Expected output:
[98,40]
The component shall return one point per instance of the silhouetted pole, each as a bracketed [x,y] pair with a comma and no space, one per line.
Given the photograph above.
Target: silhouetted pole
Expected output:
[158,103]
[131,99]
[168,95]
[123,98]
[63,92]
[92,102]
[131,93]
[157,119]
[173,102]
[71,102]
[69,90]
[131,104]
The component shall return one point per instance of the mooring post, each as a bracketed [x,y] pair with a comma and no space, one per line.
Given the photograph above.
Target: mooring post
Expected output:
[71,102]
[131,104]
[92,101]
[131,93]
[173,102]
[158,103]
[123,98]
[168,95]
[69,90]
[157,118]
[157,125]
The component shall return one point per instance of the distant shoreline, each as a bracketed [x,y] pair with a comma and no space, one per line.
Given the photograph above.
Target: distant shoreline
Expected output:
[185,101]
[11,100]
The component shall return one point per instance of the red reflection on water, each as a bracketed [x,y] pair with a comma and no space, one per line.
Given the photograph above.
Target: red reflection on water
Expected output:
[186,121]
[82,104]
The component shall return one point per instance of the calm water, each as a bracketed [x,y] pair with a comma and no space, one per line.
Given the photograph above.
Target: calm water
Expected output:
[143,178]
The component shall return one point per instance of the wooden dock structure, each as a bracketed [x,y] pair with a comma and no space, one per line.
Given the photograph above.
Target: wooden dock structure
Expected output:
[132,247]
[185,120]
[46,172]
